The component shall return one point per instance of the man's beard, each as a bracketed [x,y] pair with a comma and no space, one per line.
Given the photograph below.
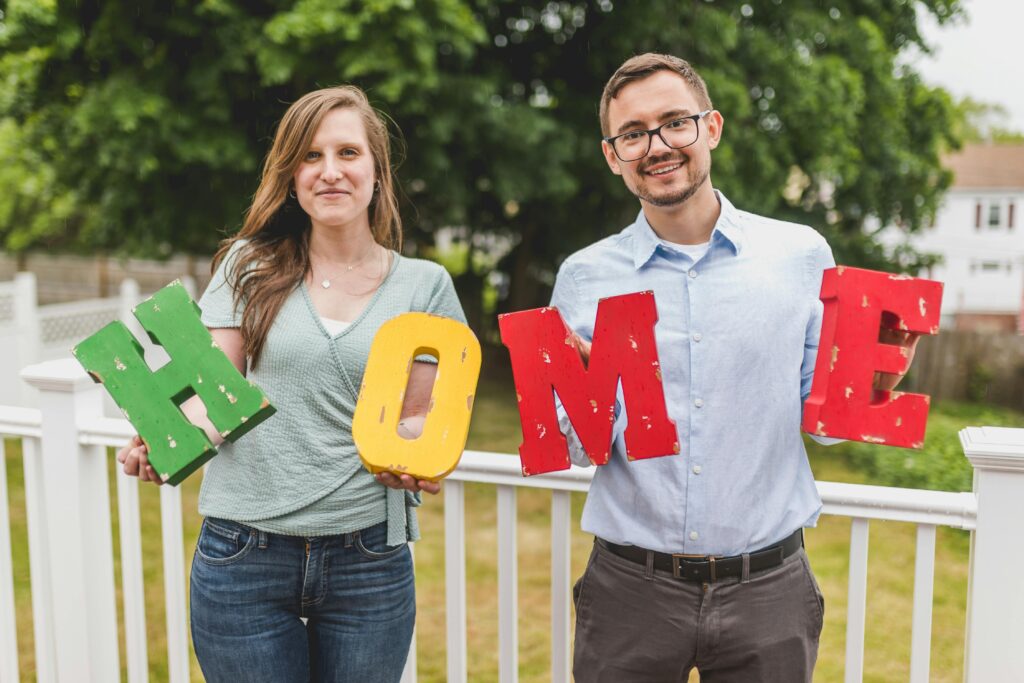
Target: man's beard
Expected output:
[677,197]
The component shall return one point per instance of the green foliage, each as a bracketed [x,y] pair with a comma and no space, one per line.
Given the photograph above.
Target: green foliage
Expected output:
[985,122]
[940,465]
[144,123]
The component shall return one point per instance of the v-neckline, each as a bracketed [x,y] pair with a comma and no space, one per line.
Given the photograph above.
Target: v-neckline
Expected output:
[362,314]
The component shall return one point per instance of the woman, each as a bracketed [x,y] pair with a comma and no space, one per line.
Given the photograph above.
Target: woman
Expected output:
[296,530]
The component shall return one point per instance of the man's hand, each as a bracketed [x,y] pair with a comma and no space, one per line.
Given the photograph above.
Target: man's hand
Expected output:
[404,481]
[136,463]
[582,347]
[885,381]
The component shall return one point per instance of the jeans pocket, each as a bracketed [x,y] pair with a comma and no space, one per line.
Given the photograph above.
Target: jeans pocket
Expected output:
[372,543]
[222,542]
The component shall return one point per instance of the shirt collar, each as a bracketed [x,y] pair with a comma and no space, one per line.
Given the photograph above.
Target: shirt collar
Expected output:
[727,229]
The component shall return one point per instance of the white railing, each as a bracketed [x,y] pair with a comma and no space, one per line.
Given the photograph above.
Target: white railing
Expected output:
[74,609]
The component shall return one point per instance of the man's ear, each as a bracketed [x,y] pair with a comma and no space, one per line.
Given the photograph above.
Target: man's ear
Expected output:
[609,156]
[715,124]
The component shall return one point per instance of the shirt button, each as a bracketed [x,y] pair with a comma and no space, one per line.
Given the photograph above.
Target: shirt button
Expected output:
[692,273]
[696,469]
[699,402]
[697,336]
[694,536]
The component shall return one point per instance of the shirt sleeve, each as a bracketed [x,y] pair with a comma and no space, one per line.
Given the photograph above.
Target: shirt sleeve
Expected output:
[218,301]
[566,298]
[821,260]
[443,299]
[443,302]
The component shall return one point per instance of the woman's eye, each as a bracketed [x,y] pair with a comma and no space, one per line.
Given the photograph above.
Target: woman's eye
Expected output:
[312,156]
[349,152]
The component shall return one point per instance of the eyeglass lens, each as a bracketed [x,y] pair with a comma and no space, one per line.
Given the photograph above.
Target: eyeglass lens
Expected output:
[675,134]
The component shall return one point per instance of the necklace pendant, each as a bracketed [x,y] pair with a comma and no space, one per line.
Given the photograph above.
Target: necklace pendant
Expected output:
[326,284]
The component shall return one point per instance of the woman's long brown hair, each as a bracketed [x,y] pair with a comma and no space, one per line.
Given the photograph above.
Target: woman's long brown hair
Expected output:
[275,258]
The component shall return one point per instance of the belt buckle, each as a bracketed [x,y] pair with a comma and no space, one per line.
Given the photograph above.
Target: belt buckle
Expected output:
[679,558]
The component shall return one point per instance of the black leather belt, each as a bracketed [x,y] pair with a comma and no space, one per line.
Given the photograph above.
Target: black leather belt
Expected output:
[710,567]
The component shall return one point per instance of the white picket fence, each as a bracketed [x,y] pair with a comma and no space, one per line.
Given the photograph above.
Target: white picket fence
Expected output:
[30,333]
[72,565]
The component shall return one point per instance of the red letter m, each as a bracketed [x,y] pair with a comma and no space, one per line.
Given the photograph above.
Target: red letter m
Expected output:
[545,362]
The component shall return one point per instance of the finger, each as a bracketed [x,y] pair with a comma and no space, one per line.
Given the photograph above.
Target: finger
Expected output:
[131,463]
[431,487]
[153,477]
[144,467]
[388,480]
[409,483]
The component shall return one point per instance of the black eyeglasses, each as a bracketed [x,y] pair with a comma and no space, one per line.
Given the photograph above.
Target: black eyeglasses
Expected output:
[677,133]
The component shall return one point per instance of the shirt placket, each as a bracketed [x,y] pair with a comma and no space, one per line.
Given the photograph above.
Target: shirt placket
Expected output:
[694,533]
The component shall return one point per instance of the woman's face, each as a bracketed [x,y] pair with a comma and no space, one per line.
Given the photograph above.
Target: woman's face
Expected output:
[334,180]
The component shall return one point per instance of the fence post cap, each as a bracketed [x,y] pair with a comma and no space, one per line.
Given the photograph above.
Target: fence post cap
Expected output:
[994,448]
[64,374]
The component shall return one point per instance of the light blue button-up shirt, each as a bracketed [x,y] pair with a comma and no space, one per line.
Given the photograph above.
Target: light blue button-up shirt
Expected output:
[737,337]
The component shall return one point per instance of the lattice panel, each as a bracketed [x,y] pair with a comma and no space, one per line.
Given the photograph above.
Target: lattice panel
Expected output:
[74,327]
[6,307]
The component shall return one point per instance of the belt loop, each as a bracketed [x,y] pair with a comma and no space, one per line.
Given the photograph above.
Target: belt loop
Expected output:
[746,568]
[350,538]
[262,539]
[649,569]
[711,560]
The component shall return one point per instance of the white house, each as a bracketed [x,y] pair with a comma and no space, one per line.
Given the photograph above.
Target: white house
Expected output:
[979,235]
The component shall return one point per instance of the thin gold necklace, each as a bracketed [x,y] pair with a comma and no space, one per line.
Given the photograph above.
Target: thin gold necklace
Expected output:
[326,282]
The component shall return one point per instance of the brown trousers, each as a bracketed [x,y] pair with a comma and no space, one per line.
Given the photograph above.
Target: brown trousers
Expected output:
[642,625]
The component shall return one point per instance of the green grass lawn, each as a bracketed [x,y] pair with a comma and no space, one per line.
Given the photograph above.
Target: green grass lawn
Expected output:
[496,428]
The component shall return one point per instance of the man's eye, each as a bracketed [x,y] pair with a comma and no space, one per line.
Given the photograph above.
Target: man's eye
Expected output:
[678,123]
[634,136]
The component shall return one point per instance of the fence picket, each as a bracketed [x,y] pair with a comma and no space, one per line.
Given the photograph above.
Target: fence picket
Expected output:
[133,588]
[174,584]
[924,582]
[8,620]
[856,604]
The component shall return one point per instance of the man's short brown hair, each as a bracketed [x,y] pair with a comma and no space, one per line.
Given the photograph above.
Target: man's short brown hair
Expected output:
[640,67]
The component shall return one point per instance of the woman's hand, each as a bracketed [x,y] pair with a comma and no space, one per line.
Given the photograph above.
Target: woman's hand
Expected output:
[136,463]
[404,481]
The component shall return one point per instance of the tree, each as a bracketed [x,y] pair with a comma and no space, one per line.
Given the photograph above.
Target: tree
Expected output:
[986,122]
[822,127]
[146,125]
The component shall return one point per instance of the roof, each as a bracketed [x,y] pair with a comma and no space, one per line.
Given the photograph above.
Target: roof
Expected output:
[989,166]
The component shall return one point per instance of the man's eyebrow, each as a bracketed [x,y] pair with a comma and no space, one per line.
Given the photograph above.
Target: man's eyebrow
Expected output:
[665,116]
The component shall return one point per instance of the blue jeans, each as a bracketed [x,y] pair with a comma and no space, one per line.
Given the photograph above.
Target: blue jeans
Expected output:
[249,589]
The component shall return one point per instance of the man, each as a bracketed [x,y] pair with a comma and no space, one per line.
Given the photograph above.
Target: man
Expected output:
[698,558]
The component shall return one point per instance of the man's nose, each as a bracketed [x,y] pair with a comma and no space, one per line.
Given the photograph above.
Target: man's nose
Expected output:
[658,145]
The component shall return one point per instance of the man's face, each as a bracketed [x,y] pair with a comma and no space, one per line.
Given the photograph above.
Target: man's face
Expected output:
[666,176]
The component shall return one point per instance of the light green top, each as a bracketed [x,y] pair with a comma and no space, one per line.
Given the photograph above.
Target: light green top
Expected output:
[298,473]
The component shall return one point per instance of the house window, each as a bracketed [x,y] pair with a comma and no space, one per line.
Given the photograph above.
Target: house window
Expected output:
[977,216]
[993,215]
[990,266]
[1009,216]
